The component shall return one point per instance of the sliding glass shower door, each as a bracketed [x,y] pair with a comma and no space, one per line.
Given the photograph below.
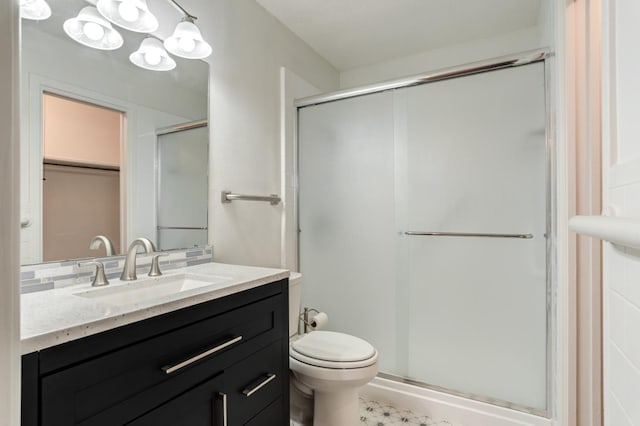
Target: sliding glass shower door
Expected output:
[476,163]
[347,217]
[183,185]
[423,218]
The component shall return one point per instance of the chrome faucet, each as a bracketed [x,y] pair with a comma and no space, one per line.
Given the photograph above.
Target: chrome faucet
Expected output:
[101,239]
[129,270]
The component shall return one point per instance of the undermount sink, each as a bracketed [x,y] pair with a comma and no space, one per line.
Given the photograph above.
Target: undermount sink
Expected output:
[147,289]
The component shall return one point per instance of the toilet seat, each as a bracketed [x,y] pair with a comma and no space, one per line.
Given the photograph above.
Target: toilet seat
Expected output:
[329,349]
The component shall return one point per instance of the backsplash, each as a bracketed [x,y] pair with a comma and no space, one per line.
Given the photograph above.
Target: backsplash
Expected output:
[45,276]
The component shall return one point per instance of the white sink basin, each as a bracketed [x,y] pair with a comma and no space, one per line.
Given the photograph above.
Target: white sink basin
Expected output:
[146,289]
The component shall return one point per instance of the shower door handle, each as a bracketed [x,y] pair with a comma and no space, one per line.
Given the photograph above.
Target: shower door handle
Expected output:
[467,234]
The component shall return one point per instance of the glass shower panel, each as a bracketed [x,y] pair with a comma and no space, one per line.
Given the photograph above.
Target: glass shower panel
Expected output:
[183,159]
[476,163]
[347,217]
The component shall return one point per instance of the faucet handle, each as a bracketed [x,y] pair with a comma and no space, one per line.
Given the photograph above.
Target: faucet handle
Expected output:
[155,265]
[100,279]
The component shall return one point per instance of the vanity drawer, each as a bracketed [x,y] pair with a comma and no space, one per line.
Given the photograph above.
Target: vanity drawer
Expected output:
[221,400]
[255,382]
[117,387]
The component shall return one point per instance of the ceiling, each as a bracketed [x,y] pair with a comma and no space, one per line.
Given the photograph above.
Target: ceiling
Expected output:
[353,33]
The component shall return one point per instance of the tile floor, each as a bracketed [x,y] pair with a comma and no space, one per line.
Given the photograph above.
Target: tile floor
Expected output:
[382,414]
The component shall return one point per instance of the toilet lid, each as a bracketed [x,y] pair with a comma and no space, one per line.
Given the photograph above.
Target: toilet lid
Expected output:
[333,347]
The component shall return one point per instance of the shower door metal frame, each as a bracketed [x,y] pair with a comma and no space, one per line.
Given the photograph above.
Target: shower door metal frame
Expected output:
[495,64]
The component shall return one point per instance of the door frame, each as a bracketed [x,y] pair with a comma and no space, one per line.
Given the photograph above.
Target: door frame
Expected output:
[32,151]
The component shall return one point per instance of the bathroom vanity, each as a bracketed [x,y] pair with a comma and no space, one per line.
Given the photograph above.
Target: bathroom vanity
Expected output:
[213,355]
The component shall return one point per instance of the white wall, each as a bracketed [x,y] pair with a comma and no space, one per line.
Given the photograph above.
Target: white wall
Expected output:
[65,60]
[9,222]
[249,48]
[621,191]
[292,87]
[476,50]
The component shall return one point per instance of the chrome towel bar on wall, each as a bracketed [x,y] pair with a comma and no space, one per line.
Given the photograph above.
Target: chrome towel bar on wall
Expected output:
[467,234]
[228,196]
[183,228]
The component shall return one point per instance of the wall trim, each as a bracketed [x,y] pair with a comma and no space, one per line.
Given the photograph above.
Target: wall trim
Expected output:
[9,214]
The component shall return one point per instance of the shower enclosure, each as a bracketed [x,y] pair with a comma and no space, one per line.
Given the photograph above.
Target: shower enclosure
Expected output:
[424,226]
[182,185]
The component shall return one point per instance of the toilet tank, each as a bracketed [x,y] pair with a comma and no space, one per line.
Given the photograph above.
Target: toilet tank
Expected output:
[295,291]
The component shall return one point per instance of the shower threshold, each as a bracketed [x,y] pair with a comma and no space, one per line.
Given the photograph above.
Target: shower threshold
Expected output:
[480,398]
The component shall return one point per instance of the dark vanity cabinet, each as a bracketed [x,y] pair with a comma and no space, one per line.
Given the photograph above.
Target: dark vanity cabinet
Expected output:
[222,362]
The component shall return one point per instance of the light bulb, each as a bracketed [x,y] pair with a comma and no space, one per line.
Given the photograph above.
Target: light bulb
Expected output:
[93,31]
[113,38]
[152,57]
[187,44]
[128,11]
[35,9]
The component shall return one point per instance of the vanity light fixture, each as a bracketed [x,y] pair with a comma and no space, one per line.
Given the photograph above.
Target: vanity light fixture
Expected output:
[35,9]
[133,15]
[91,29]
[152,56]
[186,41]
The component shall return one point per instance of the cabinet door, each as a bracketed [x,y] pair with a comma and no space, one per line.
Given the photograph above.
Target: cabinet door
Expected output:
[270,416]
[203,405]
[255,382]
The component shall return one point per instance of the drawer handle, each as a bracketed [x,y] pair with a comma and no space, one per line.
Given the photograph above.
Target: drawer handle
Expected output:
[249,392]
[222,397]
[173,368]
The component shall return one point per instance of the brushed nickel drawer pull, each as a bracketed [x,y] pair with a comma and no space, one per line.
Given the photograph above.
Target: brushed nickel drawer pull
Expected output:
[173,368]
[249,392]
[222,397]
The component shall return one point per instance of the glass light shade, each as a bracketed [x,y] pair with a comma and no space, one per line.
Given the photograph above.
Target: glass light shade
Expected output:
[35,9]
[133,15]
[152,56]
[91,29]
[187,42]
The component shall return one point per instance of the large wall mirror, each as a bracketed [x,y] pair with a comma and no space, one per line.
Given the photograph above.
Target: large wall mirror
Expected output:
[106,146]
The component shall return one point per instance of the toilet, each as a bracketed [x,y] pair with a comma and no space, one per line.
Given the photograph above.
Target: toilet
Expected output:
[328,367]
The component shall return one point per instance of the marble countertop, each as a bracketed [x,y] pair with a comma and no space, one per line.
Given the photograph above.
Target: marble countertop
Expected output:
[52,317]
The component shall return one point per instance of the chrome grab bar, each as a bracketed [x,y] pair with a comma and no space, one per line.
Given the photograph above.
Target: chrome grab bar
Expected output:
[249,392]
[468,234]
[173,368]
[228,196]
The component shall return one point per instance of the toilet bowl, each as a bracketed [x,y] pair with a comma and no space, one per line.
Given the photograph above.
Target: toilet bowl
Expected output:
[329,365]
